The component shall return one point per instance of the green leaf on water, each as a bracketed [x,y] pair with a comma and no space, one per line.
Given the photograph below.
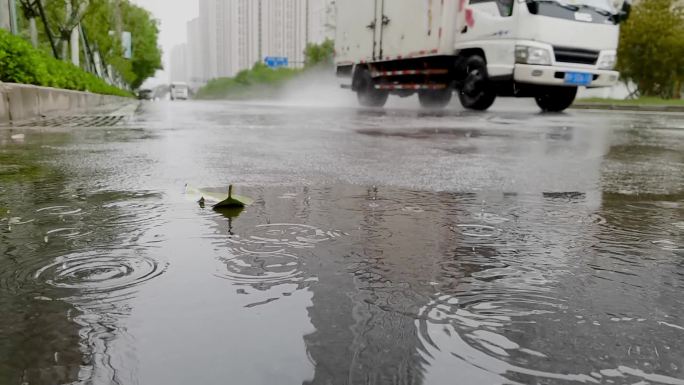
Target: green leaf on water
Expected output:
[232,202]
[219,199]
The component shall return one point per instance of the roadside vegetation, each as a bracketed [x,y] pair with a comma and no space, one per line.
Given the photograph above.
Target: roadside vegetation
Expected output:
[651,53]
[642,101]
[256,82]
[102,17]
[46,28]
[21,63]
[261,81]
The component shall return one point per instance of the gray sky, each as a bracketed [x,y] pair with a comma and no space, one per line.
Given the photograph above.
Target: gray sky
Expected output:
[173,14]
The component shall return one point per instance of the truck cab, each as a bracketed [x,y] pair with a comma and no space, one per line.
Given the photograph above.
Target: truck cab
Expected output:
[543,49]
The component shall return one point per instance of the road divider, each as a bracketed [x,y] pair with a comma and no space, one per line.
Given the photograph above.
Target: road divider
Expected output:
[20,102]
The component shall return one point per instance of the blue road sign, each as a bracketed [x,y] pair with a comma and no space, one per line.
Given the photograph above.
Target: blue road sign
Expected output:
[276,61]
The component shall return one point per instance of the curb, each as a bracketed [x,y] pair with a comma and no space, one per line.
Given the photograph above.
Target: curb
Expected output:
[24,101]
[621,107]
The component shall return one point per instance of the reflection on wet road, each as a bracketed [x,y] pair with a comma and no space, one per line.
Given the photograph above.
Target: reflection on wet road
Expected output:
[382,247]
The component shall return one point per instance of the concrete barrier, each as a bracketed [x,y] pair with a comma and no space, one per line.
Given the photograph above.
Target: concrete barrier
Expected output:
[22,102]
[4,109]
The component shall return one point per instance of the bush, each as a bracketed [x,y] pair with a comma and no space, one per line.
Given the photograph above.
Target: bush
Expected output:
[320,54]
[260,81]
[651,52]
[21,63]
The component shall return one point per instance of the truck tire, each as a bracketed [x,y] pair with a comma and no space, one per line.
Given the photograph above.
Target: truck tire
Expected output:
[366,93]
[435,99]
[476,92]
[556,99]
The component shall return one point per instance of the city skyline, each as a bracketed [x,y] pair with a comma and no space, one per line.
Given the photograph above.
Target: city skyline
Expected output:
[232,35]
[172,22]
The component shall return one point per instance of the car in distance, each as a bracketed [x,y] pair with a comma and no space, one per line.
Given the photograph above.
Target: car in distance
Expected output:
[179,91]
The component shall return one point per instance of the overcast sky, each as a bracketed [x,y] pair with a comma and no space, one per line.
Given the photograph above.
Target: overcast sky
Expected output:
[173,15]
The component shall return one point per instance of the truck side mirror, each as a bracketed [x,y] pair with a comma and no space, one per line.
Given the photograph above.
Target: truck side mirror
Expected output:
[624,13]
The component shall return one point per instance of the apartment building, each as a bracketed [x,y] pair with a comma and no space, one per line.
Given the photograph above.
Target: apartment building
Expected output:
[179,63]
[196,52]
[284,29]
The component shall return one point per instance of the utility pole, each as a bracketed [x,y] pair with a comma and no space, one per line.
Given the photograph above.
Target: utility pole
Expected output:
[65,35]
[13,17]
[118,19]
[30,11]
[76,34]
[33,31]
[75,49]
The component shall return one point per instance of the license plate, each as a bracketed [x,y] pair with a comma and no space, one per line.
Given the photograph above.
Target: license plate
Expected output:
[578,78]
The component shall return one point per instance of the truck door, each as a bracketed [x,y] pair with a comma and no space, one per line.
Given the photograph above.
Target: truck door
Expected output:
[409,27]
[487,19]
[355,39]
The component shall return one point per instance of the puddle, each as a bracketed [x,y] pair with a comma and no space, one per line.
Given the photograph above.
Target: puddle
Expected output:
[549,255]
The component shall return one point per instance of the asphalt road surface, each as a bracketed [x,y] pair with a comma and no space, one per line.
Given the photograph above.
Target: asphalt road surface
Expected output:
[393,246]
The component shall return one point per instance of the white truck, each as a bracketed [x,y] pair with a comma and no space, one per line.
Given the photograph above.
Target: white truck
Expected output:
[481,49]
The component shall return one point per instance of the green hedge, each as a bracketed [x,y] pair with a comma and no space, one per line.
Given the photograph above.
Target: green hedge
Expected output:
[260,81]
[21,63]
[263,82]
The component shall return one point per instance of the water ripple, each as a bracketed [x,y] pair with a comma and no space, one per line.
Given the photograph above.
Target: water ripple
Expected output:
[107,276]
[472,333]
[60,210]
[273,254]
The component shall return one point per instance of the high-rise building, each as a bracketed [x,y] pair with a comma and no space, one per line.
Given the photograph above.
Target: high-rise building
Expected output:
[249,42]
[196,51]
[284,29]
[179,65]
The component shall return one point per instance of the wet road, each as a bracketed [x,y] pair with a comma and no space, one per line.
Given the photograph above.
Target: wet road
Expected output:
[383,247]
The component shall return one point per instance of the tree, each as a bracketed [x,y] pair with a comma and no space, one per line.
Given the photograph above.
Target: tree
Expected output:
[100,25]
[319,54]
[147,56]
[65,16]
[651,52]
[99,19]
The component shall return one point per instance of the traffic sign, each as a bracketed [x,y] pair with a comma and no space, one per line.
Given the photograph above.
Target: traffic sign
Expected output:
[276,61]
[127,42]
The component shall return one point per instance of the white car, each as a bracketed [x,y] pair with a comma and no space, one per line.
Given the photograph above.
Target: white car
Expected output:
[179,91]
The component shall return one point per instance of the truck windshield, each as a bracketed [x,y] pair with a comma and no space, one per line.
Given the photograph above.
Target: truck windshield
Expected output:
[594,11]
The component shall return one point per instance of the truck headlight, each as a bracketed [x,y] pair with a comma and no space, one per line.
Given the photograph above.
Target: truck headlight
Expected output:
[532,55]
[607,61]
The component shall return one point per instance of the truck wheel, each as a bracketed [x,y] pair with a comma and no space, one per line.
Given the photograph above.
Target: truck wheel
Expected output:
[556,99]
[366,93]
[476,92]
[435,99]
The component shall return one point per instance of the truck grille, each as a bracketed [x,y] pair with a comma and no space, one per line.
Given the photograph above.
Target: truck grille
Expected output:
[574,55]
